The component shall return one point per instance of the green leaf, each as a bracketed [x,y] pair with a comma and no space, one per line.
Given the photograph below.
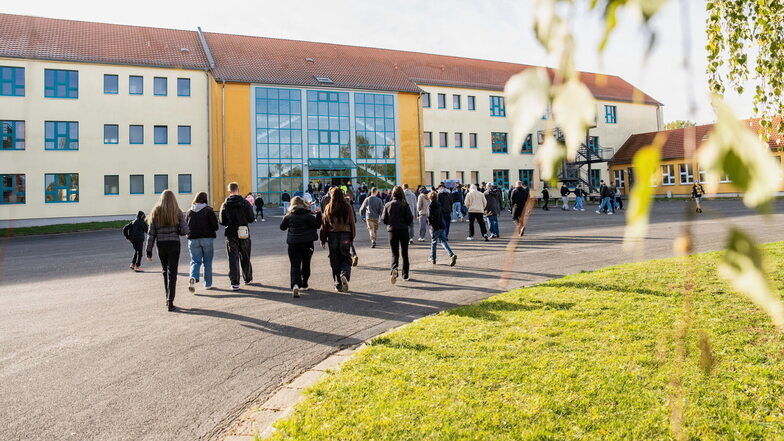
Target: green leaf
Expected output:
[646,165]
[743,267]
[574,110]
[527,96]
[549,157]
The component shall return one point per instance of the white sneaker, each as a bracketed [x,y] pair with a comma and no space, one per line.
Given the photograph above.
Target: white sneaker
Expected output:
[235,287]
[295,291]
[303,289]
[470,238]
[264,220]
[610,213]
[208,287]
[597,212]
[454,220]
[344,283]
[582,209]
[192,285]
[575,208]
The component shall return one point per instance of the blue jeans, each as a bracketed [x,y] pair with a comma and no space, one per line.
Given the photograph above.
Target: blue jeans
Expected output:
[578,202]
[606,205]
[457,210]
[202,251]
[436,237]
[494,225]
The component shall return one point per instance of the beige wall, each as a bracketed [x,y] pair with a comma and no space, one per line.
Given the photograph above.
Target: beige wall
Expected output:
[94,159]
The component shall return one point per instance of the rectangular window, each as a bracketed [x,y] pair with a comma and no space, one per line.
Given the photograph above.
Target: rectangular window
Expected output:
[426,100]
[540,137]
[137,184]
[610,115]
[703,174]
[61,83]
[471,102]
[161,183]
[499,142]
[111,185]
[687,173]
[472,140]
[429,178]
[528,144]
[630,175]
[460,176]
[442,139]
[111,134]
[619,178]
[12,187]
[501,179]
[111,84]
[475,177]
[183,87]
[13,135]
[593,143]
[458,139]
[61,187]
[428,139]
[444,176]
[136,134]
[526,176]
[135,85]
[596,178]
[160,86]
[161,134]
[61,135]
[497,106]
[725,179]
[442,101]
[12,82]
[184,184]
[456,102]
[668,174]
[183,135]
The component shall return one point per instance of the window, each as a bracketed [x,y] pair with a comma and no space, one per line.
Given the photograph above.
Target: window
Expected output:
[668,174]
[471,102]
[160,134]
[135,85]
[61,83]
[593,143]
[548,113]
[61,135]
[12,82]
[426,100]
[111,134]
[456,102]
[458,140]
[111,84]
[619,178]
[528,144]
[610,115]
[111,185]
[725,179]
[596,178]
[183,135]
[501,178]
[161,183]
[12,188]
[475,177]
[499,142]
[472,140]
[323,80]
[184,184]
[160,86]
[526,176]
[428,139]
[687,173]
[137,184]
[630,175]
[136,134]
[540,137]
[442,101]
[62,187]
[497,106]
[183,87]
[444,176]
[460,176]
[442,139]
[429,178]
[13,135]
[702,174]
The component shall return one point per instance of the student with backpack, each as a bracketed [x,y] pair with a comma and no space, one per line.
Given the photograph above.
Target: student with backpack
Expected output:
[302,228]
[167,224]
[202,224]
[134,232]
[235,214]
[338,230]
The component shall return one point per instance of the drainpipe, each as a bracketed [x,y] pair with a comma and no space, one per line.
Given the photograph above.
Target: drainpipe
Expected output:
[209,135]
[223,133]
[419,141]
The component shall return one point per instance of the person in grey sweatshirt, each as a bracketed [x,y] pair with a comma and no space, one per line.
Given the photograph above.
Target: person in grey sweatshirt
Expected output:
[423,211]
[371,210]
[411,200]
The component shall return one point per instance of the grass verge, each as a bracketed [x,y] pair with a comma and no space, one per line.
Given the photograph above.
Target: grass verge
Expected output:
[61,228]
[585,357]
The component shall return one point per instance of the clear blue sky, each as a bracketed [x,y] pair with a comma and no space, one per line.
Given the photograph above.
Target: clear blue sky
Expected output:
[492,29]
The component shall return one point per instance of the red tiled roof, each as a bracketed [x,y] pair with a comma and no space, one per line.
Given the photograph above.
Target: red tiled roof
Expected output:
[24,36]
[674,147]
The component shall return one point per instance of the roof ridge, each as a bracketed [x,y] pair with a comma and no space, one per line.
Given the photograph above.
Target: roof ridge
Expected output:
[98,22]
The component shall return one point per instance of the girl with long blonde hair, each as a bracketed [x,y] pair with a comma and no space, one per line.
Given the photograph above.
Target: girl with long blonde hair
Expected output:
[167,224]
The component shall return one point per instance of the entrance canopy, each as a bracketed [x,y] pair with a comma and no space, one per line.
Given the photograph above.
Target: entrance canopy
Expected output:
[330,163]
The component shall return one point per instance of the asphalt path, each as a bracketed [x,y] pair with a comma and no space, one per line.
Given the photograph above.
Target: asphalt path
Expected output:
[89,351]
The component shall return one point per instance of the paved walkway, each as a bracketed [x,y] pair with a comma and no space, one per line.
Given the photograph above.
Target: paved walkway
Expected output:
[89,352]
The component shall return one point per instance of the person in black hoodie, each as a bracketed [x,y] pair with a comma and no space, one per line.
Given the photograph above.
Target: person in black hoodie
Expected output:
[235,214]
[436,221]
[301,225]
[135,232]
[259,203]
[546,199]
[202,224]
[397,217]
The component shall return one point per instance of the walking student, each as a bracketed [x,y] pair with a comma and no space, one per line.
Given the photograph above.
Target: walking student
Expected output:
[371,210]
[411,200]
[564,197]
[457,203]
[302,228]
[476,203]
[579,195]
[518,199]
[423,212]
[618,198]
[398,217]
[134,232]
[236,214]
[493,209]
[606,205]
[696,193]
[202,225]
[546,199]
[436,222]
[167,224]
[445,200]
[338,229]
[259,203]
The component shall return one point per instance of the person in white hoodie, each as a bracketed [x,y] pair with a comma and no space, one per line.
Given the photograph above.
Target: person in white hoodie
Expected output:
[476,203]
[411,200]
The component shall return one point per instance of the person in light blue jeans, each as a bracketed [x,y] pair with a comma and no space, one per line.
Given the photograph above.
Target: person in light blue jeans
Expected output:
[437,231]
[579,194]
[202,224]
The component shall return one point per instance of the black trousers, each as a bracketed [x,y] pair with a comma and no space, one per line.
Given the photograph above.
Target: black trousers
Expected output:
[398,242]
[169,254]
[480,220]
[260,212]
[340,255]
[299,256]
[137,252]
[545,207]
[238,251]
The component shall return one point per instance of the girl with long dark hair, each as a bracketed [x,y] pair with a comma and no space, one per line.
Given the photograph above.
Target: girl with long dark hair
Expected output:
[398,217]
[339,230]
[167,224]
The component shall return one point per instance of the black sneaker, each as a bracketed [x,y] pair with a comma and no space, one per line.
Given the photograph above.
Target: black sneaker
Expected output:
[372,244]
[454,260]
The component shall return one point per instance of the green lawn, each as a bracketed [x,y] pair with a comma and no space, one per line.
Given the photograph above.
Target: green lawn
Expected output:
[586,357]
[62,228]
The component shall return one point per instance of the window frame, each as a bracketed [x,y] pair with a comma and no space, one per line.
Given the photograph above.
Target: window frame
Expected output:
[441,97]
[130,84]
[687,170]
[427,139]
[117,137]
[54,140]
[179,183]
[520,175]
[155,81]
[426,100]
[495,144]
[619,178]
[165,132]
[13,188]
[179,137]
[67,187]
[179,89]
[456,102]
[667,175]
[107,193]
[12,135]
[459,140]
[50,91]
[529,143]
[155,183]
[497,106]
[116,84]
[444,175]
[130,184]
[130,134]
[13,81]
[471,102]
[475,177]
[610,114]
[473,140]
[443,139]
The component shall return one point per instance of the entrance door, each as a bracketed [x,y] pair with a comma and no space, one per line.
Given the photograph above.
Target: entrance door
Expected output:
[330,177]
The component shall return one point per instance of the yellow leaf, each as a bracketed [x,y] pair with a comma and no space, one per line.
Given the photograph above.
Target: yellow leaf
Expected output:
[646,164]
[574,109]
[549,157]
[743,267]
[527,95]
